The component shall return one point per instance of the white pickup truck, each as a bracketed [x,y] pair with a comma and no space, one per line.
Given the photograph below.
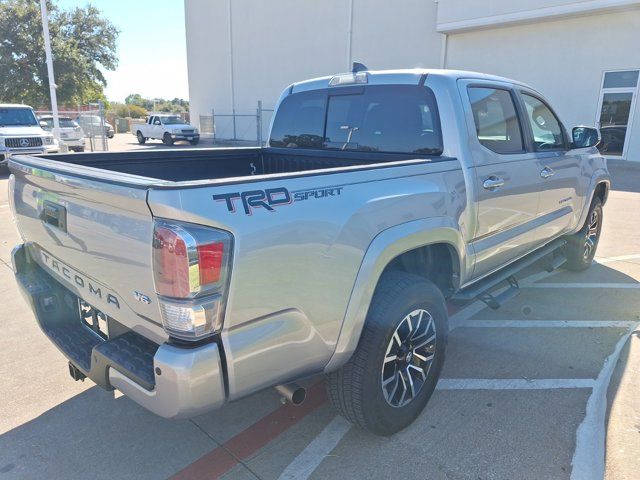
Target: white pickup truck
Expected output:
[168,128]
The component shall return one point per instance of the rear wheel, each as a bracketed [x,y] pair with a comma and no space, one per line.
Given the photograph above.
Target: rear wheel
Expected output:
[194,142]
[581,246]
[141,138]
[394,370]
[166,139]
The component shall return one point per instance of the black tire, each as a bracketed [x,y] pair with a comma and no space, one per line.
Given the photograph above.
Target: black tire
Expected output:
[194,142]
[581,246]
[80,149]
[356,389]
[167,140]
[141,138]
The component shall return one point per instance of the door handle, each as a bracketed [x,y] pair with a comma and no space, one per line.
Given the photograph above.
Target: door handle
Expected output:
[547,172]
[493,182]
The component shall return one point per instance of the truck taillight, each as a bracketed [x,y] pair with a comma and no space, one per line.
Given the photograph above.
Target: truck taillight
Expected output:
[191,266]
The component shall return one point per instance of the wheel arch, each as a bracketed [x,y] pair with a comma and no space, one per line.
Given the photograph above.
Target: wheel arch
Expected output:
[392,250]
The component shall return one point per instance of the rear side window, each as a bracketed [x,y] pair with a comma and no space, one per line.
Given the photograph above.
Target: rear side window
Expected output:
[375,118]
[494,114]
[547,132]
[299,122]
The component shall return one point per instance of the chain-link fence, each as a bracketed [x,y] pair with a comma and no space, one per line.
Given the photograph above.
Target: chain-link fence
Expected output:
[94,129]
[237,127]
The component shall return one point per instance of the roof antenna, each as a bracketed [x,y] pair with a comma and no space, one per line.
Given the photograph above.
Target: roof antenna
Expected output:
[359,67]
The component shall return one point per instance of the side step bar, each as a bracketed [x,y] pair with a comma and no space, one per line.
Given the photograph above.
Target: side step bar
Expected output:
[552,258]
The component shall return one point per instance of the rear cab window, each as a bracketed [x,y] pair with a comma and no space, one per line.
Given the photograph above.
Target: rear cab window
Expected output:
[372,118]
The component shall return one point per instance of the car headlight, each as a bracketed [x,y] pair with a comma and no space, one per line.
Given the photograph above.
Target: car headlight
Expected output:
[196,130]
[48,140]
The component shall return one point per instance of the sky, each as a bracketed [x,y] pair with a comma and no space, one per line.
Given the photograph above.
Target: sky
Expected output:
[151,47]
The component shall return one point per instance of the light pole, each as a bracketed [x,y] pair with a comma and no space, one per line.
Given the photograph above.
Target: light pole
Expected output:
[52,81]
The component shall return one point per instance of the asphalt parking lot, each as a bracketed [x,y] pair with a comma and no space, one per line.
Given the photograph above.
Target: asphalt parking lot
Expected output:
[523,395]
[122,142]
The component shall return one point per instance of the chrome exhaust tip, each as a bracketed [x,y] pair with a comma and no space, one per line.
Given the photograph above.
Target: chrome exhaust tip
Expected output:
[292,393]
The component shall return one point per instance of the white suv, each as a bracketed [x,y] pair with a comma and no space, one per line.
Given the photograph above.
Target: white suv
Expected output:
[71,134]
[20,132]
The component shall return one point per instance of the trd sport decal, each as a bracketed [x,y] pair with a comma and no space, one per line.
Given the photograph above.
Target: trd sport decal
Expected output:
[271,198]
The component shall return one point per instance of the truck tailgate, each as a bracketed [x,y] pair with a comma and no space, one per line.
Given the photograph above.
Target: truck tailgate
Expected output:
[93,235]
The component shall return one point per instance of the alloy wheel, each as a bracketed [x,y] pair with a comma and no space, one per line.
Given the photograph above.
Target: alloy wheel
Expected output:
[591,236]
[408,358]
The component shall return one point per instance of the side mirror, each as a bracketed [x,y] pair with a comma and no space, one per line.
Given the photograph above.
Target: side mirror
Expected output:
[585,137]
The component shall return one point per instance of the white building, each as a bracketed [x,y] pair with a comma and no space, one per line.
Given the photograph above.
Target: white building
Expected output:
[583,55]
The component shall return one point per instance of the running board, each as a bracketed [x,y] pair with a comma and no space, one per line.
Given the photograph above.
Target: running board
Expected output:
[552,257]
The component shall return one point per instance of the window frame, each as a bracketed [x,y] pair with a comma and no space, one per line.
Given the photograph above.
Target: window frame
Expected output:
[531,145]
[517,106]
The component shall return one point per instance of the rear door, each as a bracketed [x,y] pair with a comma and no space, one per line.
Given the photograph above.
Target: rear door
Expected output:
[506,175]
[559,167]
[92,234]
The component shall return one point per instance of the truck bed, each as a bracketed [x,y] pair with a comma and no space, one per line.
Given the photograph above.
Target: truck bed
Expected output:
[216,163]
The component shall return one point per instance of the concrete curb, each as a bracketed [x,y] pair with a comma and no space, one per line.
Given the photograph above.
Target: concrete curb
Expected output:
[622,461]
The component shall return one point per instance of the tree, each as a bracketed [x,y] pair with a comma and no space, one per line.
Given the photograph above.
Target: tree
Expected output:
[82,42]
[177,105]
[136,99]
[123,110]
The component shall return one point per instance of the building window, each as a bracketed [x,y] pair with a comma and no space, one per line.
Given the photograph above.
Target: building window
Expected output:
[615,111]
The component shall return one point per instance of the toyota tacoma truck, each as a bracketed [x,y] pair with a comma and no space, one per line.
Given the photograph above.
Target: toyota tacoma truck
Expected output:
[193,278]
[168,128]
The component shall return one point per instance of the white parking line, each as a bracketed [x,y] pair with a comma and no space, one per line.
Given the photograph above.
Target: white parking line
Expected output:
[619,258]
[310,458]
[477,306]
[584,285]
[547,324]
[513,383]
[588,458]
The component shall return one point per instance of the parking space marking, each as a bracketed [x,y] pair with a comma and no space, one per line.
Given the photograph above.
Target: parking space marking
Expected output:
[588,457]
[619,258]
[513,383]
[584,285]
[547,324]
[477,306]
[310,458]
[215,463]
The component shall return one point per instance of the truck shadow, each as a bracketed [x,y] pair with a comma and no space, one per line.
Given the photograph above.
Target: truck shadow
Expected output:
[94,435]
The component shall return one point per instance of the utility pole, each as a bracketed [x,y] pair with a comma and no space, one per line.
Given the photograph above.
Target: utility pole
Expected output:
[52,81]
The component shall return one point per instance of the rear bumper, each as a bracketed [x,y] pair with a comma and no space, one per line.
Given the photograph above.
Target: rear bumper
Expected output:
[170,381]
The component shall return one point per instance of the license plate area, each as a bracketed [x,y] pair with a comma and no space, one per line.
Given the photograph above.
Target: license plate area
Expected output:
[93,319]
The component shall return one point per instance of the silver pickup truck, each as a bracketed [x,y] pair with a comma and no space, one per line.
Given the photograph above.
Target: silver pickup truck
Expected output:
[188,279]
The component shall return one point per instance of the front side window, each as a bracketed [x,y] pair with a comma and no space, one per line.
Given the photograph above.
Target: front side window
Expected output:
[547,132]
[497,125]
[375,118]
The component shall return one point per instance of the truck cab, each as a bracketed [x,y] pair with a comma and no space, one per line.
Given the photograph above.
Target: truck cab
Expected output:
[21,133]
